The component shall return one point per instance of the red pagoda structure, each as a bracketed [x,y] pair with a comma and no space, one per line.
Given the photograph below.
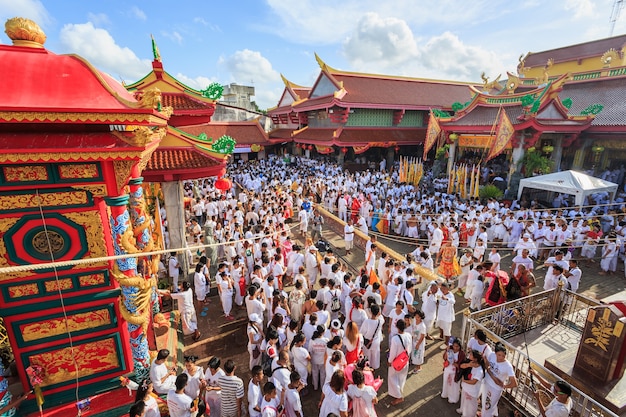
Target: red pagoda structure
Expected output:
[73,145]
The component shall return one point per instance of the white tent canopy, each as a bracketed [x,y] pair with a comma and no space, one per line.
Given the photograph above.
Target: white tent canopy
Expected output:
[569,182]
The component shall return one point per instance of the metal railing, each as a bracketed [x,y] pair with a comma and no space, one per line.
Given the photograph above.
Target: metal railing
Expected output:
[554,307]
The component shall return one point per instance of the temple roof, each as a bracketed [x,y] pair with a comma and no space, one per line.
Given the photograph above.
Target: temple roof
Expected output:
[245,133]
[171,164]
[182,102]
[575,52]
[609,93]
[36,80]
[280,134]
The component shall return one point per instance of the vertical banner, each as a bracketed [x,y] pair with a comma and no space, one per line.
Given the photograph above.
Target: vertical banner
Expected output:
[432,133]
[504,132]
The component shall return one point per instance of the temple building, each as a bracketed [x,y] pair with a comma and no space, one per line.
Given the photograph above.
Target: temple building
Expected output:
[360,116]
[73,146]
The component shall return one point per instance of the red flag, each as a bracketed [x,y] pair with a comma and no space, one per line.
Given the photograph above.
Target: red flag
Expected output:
[431,134]
[504,132]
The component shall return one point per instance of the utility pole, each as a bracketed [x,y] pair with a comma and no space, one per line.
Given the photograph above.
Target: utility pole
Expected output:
[617,8]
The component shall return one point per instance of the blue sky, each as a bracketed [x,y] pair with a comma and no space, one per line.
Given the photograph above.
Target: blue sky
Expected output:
[253,41]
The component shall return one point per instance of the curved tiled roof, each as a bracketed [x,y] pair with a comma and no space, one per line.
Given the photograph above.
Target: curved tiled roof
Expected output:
[33,79]
[609,93]
[401,92]
[244,133]
[575,52]
[361,136]
[181,101]
[173,159]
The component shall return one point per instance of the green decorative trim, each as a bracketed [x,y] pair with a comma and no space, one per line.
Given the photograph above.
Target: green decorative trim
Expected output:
[617,72]
[20,340]
[456,106]
[224,145]
[593,109]
[135,181]
[117,201]
[214,91]
[23,306]
[41,286]
[587,76]
[527,100]
[567,103]
[503,100]
[440,114]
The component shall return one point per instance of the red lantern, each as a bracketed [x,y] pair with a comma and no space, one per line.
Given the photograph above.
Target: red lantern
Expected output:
[310,147]
[297,145]
[223,184]
[397,148]
[344,150]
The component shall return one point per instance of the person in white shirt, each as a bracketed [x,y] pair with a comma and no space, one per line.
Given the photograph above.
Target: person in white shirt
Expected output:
[500,375]
[561,404]
[445,314]
[573,275]
[180,404]
[163,378]
[173,267]
[348,236]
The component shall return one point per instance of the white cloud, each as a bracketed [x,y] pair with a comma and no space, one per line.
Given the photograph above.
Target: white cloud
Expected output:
[138,13]
[199,83]
[248,66]
[100,49]
[580,8]
[388,40]
[31,9]
[99,19]
[175,36]
[387,45]
[203,22]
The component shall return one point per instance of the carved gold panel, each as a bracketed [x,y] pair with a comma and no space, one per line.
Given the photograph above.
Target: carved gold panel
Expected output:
[91,280]
[24,290]
[64,284]
[26,173]
[57,326]
[79,171]
[26,201]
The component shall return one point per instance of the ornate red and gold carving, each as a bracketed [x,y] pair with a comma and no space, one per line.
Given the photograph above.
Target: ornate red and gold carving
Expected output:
[64,284]
[122,172]
[24,201]
[96,190]
[78,171]
[88,359]
[26,173]
[24,290]
[91,280]
[57,326]
[129,118]
[67,156]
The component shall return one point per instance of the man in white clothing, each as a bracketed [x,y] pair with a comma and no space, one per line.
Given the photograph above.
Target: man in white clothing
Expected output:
[348,236]
[163,379]
[435,241]
[445,314]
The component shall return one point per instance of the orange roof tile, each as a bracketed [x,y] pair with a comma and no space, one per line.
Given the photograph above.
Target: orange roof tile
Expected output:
[181,101]
[180,164]
[245,133]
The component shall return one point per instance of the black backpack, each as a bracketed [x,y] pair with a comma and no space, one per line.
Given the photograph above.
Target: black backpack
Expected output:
[266,364]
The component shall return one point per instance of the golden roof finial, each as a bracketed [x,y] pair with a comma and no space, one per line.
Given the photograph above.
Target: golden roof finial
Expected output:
[24,32]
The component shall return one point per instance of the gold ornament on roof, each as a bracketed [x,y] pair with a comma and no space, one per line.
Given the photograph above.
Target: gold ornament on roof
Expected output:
[149,99]
[24,32]
[512,83]
[493,85]
[610,57]
[545,78]
[521,69]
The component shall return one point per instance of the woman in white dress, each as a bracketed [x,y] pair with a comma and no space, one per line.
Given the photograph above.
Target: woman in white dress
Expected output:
[145,394]
[473,374]
[187,311]
[334,398]
[419,341]
[196,382]
[255,338]
[226,294]
[452,357]
[363,396]
[396,379]
[199,283]
[213,394]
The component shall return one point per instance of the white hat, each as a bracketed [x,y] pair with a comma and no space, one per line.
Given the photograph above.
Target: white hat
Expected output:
[256,318]
[526,235]
[312,248]
[335,324]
